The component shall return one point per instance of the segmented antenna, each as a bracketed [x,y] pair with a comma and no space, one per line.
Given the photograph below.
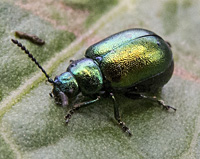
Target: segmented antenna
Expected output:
[32,58]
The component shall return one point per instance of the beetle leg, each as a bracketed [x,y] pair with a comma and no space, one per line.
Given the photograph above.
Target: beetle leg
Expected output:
[77,106]
[133,95]
[160,102]
[117,116]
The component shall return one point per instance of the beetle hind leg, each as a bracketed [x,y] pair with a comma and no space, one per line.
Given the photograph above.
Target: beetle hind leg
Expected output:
[117,117]
[154,99]
[160,102]
[167,107]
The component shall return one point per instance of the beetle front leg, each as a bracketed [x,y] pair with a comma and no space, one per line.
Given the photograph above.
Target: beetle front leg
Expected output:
[160,102]
[77,106]
[117,116]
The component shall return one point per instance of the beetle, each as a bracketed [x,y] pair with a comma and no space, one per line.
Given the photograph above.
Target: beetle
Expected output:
[133,62]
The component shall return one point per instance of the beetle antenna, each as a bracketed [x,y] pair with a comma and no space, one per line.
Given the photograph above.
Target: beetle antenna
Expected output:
[32,58]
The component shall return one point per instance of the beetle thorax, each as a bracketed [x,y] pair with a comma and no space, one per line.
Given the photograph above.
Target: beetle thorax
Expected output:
[87,74]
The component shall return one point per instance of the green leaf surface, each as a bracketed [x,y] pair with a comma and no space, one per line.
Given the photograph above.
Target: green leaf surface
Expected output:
[32,125]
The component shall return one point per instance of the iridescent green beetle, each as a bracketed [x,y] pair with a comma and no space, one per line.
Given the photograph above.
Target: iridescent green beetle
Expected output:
[132,62]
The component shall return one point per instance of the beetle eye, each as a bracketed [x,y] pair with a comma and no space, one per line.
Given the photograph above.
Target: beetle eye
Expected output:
[98,59]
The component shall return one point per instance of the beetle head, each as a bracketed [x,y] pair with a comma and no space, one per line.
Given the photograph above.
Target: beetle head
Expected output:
[65,87]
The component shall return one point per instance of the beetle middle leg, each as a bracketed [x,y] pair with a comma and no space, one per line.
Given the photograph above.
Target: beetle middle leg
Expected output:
[117,116]
[78,106]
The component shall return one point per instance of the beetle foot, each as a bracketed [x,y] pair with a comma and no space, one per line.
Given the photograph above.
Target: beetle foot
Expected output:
[68,116]
[167,107]
[124,128]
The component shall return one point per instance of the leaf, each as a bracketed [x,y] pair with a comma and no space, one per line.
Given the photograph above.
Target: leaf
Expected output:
[32,125]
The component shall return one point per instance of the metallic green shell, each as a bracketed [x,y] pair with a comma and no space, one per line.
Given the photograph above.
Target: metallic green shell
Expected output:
[103,47]
[88,75]
[126,60]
